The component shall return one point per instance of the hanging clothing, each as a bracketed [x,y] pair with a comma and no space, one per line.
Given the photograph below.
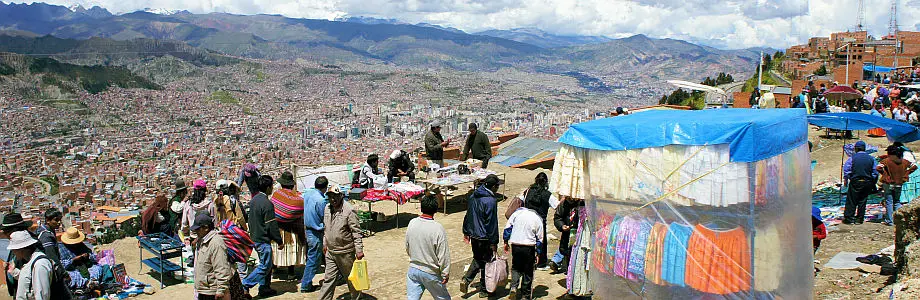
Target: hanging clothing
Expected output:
[636,264]
[718,262]
[626,236]
[654,253]
[577,281]
[568,172]
[674,256]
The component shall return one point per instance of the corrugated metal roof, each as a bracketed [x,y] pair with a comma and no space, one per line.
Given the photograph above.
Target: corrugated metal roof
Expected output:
[522,149]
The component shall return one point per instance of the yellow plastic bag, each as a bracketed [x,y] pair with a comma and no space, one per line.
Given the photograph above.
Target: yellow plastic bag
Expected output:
[358,276]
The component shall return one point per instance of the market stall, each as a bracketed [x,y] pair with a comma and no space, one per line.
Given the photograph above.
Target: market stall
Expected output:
[453,177]
[690,204]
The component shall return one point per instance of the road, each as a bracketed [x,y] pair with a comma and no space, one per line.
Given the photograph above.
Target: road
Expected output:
[45,186]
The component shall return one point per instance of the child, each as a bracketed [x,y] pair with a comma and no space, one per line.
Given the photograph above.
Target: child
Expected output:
[524,232]
[818,230]
[566,221]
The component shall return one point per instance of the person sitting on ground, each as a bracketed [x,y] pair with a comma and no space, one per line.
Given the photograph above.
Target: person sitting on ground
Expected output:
[818,230]
[47,234]
[400,165]
[878,111]
[155,218]
[525,233]
[35,276]
[429,254]
[368,172]
[79,260]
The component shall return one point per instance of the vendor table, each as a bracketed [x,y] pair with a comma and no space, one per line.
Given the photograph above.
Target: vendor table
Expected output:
[163,248]
[370,208]
[464,179]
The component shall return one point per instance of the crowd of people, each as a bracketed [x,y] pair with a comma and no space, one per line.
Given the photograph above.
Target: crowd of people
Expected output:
[863,174]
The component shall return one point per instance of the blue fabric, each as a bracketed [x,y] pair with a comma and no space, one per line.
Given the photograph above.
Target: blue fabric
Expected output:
[314,255]
[637,256]
[752,135]
[262,274]
[314,203]
[873,68]
[892,202]
[674,259]
[481,219]
[895,130]
[418,281]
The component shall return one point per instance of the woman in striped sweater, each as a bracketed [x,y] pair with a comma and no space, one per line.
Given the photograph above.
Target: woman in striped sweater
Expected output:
[289,215]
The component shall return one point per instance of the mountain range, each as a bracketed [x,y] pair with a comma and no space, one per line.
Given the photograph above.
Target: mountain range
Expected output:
[369,40]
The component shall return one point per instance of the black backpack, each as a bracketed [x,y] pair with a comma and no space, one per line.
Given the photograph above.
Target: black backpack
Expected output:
[59,280]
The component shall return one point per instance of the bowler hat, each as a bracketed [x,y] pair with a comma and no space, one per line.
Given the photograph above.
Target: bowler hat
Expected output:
[286,179]
[12,220]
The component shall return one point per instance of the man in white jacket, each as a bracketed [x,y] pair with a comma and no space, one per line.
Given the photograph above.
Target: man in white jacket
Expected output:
[35,275]
[524,232]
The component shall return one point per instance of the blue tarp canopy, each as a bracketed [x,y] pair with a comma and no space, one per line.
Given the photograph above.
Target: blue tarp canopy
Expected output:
[752,135]
[873,68]
[895,130]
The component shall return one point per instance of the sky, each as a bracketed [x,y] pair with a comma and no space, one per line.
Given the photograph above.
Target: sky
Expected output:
[726,24]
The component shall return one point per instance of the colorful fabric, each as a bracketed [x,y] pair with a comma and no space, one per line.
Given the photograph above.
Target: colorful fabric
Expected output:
[654,252]
[674,256]
[626,236]
[239,245]
[599,258]
[577,280]
[288,205]
[636,263]
[376,195]
[718,262]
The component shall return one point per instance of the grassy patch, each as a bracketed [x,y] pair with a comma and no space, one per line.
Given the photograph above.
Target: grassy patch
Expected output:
[55,186]
[224,97]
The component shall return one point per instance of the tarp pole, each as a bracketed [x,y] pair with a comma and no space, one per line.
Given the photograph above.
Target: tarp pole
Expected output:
[842,155]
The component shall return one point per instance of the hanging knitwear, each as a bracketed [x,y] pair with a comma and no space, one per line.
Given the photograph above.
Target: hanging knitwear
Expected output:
[600,258]
[674,256]
[636,264]
[626,236]
[718,262]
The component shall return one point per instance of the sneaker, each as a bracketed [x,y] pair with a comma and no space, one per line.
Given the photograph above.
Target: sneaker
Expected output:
[543,268]
[464,286]
[267,293]
[512,294]
[309,289]
[554,266]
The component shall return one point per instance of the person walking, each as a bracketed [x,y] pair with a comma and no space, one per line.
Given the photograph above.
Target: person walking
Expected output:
[478,144]
[342,242]
[480,230]
[429,254]
[565,219]
[47,234]
[263,229]
[435,143]
[860,176]
[212,268]
[314,204]
[539,196]
[289,216]
[525,233]
[894,171]
[34,280]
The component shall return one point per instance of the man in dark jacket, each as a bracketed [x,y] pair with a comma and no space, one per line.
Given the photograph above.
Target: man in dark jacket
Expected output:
[480,229]
[478,143]
[860,176]
[754,101]
[565,219]
[435,143]
[263,229]
[400,165]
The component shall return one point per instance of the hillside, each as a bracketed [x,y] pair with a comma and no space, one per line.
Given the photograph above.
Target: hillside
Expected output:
[33,76]
[544,39]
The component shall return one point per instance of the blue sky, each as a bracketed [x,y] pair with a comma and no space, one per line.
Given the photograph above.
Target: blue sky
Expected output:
[719,23]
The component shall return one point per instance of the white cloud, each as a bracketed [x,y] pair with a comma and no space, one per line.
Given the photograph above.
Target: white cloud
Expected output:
[720,23]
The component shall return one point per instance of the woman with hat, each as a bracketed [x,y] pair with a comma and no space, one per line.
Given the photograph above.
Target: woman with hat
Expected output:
[289,214]
[12,223]
[78,260]
[198,203]
[176,204]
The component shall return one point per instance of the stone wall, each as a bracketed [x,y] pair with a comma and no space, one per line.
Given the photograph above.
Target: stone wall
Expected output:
[906,235]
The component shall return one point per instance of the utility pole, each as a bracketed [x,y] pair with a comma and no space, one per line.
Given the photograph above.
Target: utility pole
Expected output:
[860,15]
[760,73]
[893,30]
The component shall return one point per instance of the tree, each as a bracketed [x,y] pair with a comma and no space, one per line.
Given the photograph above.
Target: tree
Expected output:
[664,99]
[821,71]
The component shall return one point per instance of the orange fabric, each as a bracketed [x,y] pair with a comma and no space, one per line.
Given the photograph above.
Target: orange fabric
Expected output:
[718,262]
[877,132]
[653,253]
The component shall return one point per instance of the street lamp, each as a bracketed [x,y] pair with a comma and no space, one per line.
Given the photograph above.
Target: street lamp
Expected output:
[847,78]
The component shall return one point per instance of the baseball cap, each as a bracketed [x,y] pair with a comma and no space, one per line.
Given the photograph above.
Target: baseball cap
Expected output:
[202,220]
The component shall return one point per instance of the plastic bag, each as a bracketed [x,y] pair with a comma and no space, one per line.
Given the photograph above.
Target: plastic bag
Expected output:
[496,272]
[358,276]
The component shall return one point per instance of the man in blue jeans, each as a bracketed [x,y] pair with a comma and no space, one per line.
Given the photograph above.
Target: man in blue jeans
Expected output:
[429,254]
[314,203]
[263,229]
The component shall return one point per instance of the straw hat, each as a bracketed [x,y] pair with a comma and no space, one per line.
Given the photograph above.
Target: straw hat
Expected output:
[20,239]
[72,236]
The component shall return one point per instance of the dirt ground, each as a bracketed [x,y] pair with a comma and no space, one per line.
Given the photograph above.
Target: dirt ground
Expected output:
[388,261]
